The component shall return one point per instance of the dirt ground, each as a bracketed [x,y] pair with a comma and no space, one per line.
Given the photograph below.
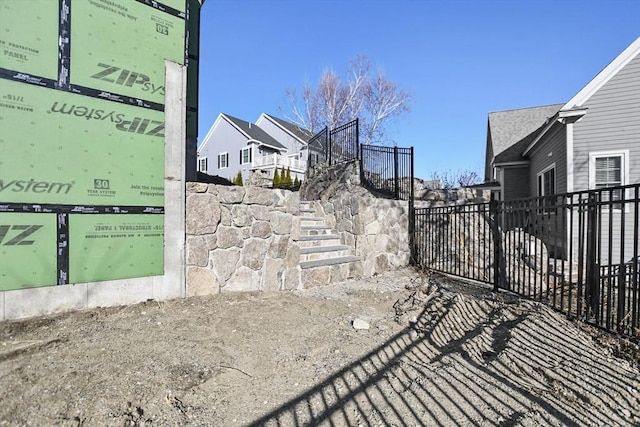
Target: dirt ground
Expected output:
[437,353]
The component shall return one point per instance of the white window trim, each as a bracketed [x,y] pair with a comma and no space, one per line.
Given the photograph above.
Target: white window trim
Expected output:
[624,166]
[613,153]
[541,174]
[226,156]
[242,151]
[206,164]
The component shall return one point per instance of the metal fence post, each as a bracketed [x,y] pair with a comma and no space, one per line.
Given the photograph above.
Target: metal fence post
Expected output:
[497,245]
[396,179]
[412,214]
[593,284]
[357,132]
[361,165]
[329,145]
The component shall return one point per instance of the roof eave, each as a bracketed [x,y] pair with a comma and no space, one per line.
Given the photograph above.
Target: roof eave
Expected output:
[279,149]
[562,116]
[275,122]
[232,123]
[512,163]
[573,111]
[604,76]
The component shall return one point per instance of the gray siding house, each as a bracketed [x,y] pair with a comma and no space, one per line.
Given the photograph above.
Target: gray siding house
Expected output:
[293,137]
[590,142]
[233,145]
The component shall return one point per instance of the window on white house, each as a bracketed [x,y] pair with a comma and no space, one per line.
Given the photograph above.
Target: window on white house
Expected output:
[608,169]
[547,185]
[245,155]
[203,165]
[547,181]
[223,160]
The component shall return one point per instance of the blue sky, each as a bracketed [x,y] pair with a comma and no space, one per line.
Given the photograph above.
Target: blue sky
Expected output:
[459,59]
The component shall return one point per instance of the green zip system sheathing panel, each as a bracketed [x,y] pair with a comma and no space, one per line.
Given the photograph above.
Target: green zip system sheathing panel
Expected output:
[82,138]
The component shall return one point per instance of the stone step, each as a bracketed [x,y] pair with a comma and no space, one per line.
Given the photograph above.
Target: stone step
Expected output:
[329,261]
[318,240]
[307,213]
[311,220]
[315,230]
[313,253]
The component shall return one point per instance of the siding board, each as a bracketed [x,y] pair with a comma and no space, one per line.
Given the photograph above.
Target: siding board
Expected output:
[555,143]
[612,122]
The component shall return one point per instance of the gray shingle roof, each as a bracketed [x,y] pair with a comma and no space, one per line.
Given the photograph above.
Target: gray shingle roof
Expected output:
[255,132]
[511,131]
[301,133]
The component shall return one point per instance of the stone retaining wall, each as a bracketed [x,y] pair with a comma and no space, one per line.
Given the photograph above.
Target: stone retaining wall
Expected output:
[241,239]
[245,238]
[451,196]
[377,228]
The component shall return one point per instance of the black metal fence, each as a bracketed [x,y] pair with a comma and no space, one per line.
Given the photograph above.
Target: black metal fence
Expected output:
[387,170]
[343,143]
[318,147]
[334,146]
[579,252]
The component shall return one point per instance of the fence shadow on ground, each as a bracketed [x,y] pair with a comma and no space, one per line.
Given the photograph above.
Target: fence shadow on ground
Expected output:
[468,361]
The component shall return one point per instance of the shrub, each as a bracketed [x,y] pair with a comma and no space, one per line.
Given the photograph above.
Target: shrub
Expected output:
[238,179]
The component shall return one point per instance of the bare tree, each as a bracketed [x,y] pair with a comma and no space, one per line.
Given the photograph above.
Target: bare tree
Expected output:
[460,178]
[375,100]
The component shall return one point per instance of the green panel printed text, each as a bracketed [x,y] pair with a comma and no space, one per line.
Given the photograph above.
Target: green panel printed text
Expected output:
[29,37]
[63,148]
[121,50]
[108,247]
[28,245]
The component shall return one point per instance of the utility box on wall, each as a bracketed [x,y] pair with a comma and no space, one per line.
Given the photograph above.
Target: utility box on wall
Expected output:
[82,136]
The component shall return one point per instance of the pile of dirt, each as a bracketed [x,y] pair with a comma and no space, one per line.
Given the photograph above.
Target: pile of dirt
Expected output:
[436,352]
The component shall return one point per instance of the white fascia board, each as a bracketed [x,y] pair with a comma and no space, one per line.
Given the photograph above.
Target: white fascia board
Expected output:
[262,116]
[571,116]
[572,109]
[255,141]
[562,116]
[235,127]
[548,126]
[604,76]
[515,163]
[268,117]
[209,134]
